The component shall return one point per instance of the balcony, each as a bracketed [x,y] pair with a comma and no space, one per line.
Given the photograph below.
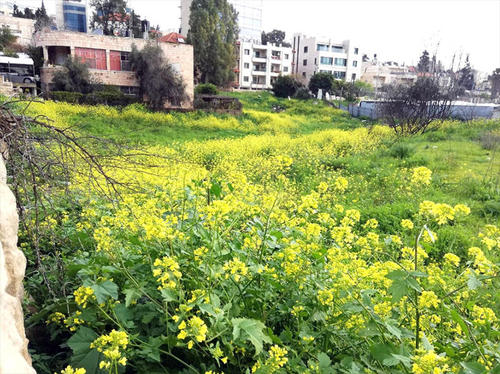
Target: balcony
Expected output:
[259,72]
[259,58]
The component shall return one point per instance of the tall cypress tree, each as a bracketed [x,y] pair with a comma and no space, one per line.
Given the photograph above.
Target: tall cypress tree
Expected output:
[213,34]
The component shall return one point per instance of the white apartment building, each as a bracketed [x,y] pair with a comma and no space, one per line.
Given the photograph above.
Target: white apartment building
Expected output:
[259,65]
[313,55]
[249,18]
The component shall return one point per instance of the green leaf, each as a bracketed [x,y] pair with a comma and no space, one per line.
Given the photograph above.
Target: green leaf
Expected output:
[393,330]
[398,289]
[324,361]
[473,282]
[131,295]
[458,319]
[124,315]
[83,356]
[105,290]
[250,329]
[473,368]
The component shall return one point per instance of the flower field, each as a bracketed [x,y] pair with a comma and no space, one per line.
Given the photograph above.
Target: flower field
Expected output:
[295,242]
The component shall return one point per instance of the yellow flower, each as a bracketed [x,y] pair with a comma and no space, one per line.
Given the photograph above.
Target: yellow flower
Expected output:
[452,259]
[235,268]
[83,295]
[421,176]
[70,370]
[428,299]
[407,224]
[167,272]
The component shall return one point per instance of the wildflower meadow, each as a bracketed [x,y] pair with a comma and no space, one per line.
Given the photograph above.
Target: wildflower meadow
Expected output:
[303,241]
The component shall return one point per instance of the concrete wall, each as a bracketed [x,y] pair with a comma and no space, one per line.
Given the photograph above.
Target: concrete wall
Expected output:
[179,55]
[21,27]
[458,110]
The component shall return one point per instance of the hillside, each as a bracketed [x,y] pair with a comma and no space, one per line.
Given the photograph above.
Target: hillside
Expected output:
[271,242]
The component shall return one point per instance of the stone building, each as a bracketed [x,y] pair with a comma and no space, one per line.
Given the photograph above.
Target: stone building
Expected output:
[22,28]
[108,58]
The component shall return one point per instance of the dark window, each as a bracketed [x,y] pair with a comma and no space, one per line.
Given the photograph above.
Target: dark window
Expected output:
[304,74]
[285,69]
[306,49]
[247,51]
[353,77]
[356,50]
[322,47]
[304,62]
[286,56]
[246,65]
[75,18]
[354,63]
[340,62]
[339,74]
[245,79]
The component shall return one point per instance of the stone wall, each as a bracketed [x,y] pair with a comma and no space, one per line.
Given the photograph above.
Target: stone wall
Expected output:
[14,357]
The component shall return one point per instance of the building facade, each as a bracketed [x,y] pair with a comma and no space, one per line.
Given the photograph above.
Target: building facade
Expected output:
[108,58]
[259,65]
[22,28]
[73,15]
[313,55]
[249,18]
[378,74]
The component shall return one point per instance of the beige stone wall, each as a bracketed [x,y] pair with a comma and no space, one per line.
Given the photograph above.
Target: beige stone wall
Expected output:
[180,55]
[21,27]
[14,357]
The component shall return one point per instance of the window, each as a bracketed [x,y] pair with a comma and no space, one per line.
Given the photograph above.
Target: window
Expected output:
[285,69]
[340,62]
[326,60]
[304,74]
[247,51]
[339,74]
[119,61]
[286,56]
[354,63]
[94,58]
[245,79]
[315,61]
[356,51]
[353,77]
[246,65]
[306,49]
[304,62]
[75,18]
[337,49]
[322,47]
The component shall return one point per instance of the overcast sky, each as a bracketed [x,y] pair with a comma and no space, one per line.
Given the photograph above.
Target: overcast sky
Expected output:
[397,30]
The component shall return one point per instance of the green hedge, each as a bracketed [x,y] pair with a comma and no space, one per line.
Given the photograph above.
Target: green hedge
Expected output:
[95,98]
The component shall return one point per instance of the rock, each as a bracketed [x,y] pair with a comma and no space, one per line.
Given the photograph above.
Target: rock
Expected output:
[14,357]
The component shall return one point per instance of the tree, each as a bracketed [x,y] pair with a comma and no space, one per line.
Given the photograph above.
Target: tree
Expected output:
[6,38]
[363,88]
[276,37]
[109,16]
[494,78]
[213,34]
[159,82]
[466,76]
[16,12]
[28,13]
[285,86]
[411,109]
[74,77]
[323,81]
[424,63]
[42,18]
[36,54]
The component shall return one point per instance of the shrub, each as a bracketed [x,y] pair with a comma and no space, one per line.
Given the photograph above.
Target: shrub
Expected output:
[401,151]
[69,97]
[206,89]
[285,86]
[74,77]
[490,140]
[159,82]
[302,94]
[109,98]
[323,81]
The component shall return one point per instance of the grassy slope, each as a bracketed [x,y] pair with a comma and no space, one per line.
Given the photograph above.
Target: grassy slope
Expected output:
[463,171]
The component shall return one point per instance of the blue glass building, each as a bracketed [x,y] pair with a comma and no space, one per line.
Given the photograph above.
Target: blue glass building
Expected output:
[75,16]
